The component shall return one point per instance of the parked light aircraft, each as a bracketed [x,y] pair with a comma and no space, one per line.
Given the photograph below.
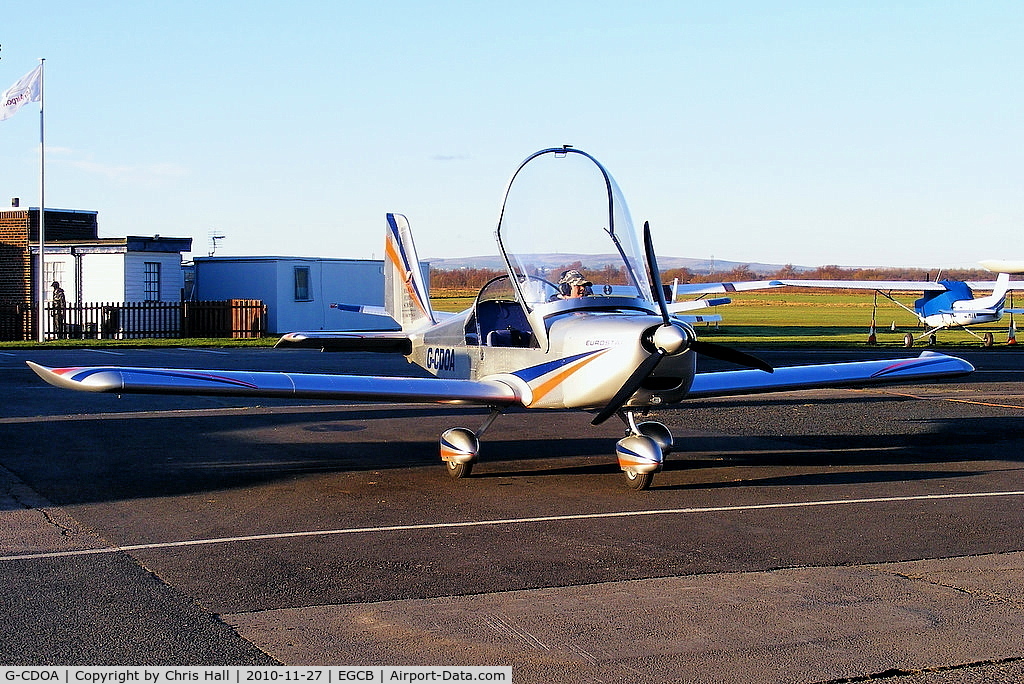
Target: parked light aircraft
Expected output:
[944,304]
[526,341]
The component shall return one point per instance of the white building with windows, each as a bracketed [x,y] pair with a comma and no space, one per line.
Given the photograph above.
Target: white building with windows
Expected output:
[301,293]
[128,269]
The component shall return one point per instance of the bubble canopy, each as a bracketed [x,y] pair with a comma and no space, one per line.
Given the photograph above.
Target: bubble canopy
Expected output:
[563,211]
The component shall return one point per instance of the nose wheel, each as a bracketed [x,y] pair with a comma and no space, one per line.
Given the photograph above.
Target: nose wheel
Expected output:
[642,451]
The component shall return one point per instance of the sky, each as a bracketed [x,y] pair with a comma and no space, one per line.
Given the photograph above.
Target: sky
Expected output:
[807,132]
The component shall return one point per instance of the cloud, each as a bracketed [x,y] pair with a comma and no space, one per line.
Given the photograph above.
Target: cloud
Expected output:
[132,174]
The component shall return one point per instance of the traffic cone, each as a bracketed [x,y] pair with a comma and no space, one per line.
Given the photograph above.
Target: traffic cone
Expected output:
[872,339]
[1011,336]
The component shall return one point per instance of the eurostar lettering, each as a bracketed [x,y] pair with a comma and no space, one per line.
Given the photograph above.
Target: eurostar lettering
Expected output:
[441,359]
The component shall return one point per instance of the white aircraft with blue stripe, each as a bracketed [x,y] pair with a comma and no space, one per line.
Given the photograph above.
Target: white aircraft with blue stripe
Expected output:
[943,304]
[600,340]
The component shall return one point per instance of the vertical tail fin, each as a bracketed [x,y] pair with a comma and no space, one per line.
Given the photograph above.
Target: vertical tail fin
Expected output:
[405,294]
[998,296]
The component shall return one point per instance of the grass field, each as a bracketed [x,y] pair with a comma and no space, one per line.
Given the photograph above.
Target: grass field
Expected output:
[806,318]
[778,318]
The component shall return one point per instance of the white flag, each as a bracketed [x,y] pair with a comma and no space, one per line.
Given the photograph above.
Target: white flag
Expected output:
[28,89]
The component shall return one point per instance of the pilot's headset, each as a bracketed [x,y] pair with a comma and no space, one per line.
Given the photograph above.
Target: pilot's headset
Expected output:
[568,279]
[564,288]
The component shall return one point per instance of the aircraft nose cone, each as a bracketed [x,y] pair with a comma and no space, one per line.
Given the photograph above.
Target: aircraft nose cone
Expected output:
[671,339]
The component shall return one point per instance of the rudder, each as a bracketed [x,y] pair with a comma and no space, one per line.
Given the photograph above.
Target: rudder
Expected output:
[405,294]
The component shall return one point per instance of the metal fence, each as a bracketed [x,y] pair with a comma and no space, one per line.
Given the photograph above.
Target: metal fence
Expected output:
[236,318]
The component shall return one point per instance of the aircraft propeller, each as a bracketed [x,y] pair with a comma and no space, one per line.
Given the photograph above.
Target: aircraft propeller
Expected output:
[669,339]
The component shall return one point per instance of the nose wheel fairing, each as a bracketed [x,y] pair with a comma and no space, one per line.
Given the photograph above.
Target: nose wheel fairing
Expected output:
[641,453]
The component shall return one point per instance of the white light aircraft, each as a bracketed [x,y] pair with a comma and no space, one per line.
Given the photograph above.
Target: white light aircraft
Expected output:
[528,341]
[943,305]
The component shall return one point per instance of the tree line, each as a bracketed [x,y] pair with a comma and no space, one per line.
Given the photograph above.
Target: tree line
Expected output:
[475,278]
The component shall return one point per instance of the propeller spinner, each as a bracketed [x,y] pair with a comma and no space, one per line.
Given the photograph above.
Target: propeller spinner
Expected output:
[669,339]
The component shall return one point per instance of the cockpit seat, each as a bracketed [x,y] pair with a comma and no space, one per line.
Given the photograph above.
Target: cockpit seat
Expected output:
[509,337]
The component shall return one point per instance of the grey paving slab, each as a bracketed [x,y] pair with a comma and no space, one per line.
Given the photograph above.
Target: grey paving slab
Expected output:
[936,617]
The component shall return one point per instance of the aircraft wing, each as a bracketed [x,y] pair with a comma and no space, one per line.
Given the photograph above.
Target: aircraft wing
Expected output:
[393,342]
[1003,266]
[988,285]
[866,284]
[927,366]
[133,380]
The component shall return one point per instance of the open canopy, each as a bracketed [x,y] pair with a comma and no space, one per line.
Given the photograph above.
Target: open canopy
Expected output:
[563,211]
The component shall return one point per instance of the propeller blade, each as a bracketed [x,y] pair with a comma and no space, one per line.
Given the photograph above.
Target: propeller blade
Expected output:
[652,267]
[629,387]
[717,351]
[678,345]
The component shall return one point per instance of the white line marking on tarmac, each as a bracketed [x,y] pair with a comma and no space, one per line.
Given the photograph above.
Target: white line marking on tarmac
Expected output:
[505,521]
[105,351]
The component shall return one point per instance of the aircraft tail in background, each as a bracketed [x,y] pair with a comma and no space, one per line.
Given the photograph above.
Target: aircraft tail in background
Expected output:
[405,292]
[994,300]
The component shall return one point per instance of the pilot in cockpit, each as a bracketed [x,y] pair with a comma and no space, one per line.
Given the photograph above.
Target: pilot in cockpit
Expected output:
[572,285]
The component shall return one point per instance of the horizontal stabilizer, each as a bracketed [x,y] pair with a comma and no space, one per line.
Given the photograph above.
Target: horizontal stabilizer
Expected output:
[698,318]
[927,366]
[128,380]
[392,342]
[715,288]
[368,309]
[676,307]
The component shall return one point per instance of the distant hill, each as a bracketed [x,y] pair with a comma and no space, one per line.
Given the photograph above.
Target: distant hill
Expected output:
[598,261]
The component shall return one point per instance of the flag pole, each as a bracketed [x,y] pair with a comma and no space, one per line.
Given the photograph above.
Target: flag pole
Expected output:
[41,272]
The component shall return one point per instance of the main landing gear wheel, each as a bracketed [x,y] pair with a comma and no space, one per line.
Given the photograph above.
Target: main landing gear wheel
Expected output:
[459,447]
[988,339]
[908,340]
[457,471]
[638,481]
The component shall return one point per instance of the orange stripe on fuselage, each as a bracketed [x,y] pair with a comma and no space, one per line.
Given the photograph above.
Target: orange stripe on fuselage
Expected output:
[551,383]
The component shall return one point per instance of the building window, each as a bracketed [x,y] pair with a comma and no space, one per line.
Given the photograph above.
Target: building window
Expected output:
[54,274]
[302,283]
[151,281]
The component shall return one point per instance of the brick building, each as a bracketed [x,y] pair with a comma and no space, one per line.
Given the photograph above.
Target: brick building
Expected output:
[94,272]
[19,232]
[88,267]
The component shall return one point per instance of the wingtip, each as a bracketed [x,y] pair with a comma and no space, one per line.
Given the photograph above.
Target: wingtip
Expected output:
[73,378]
[45,373]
